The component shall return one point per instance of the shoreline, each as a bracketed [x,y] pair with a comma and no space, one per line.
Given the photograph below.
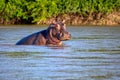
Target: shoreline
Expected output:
[112,19]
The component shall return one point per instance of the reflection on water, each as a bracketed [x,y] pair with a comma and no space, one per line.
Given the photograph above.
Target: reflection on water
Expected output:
[93,53]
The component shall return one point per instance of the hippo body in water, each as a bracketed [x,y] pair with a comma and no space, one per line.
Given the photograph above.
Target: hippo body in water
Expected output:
[53,35]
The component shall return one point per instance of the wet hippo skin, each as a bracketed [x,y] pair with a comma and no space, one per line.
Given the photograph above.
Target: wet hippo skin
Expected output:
[53,35]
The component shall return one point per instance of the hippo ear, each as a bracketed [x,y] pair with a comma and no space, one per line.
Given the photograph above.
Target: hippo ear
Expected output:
[63,21]
[54,22]
[56,25]
[64,26]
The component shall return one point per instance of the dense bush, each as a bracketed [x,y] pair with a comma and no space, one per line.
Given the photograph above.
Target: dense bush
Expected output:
[39,10]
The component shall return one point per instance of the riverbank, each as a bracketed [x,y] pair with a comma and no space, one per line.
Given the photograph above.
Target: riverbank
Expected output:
[75,19]
[92,19]
[75,12]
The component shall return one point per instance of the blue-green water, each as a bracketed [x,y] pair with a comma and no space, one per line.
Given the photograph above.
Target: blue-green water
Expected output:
[93,53]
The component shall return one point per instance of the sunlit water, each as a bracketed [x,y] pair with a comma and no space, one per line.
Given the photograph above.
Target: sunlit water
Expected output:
[93,53]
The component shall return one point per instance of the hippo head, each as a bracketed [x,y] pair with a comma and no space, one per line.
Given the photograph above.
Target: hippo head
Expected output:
[58,32]
[63,33]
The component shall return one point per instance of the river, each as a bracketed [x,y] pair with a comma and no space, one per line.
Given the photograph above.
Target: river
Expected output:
[93,53]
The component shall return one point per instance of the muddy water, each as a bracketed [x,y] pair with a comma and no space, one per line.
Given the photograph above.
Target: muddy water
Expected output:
[93,53]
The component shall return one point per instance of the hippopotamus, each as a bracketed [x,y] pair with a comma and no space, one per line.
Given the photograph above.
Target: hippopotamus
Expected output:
[53,35]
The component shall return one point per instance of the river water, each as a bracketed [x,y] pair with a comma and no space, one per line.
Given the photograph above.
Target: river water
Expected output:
[93,53]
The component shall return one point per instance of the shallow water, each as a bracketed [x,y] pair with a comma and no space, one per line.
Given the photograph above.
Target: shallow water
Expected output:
[93,53]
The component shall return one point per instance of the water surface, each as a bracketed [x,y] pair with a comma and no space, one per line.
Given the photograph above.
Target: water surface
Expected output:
[93,53]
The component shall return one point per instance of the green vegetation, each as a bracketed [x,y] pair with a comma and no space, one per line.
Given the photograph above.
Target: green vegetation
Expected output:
[32,11]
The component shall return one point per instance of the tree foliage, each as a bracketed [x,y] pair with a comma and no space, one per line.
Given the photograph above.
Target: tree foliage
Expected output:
[40,10]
